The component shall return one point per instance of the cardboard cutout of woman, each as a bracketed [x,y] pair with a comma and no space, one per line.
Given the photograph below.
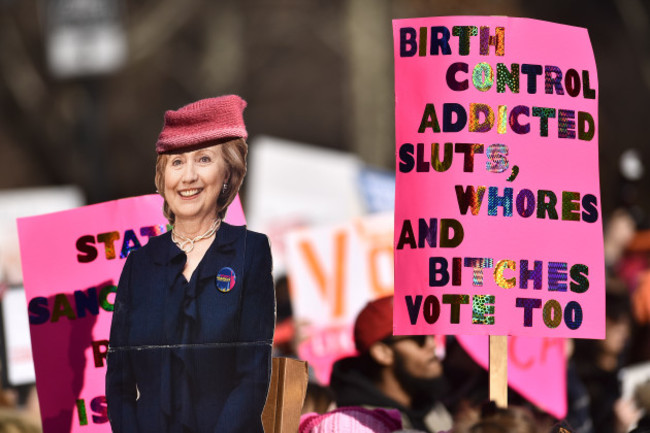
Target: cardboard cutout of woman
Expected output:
[191,337]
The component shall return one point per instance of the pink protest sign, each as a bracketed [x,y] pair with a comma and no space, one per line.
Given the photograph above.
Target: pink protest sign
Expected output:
[536,368]
[497,206]
[72,262]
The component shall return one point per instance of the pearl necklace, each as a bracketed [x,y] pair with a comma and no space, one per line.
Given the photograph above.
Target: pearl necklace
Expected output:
[186,244]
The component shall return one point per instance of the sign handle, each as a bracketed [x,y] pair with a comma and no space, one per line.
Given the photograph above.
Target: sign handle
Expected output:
[499,370]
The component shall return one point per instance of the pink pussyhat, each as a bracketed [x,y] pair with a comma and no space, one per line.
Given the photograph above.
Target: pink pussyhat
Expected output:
[204,121]
[352,419]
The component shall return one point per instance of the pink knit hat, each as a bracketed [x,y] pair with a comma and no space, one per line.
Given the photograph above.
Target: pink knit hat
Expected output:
[352,419]
[202,121]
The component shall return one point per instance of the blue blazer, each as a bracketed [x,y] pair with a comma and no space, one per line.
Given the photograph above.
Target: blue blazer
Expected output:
[192,356]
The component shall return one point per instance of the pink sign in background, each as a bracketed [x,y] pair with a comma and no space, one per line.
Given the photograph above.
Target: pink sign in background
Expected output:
[536,368]
[502,197]
[72,262]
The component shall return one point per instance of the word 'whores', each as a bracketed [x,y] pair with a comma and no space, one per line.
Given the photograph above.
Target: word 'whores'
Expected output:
[130,242]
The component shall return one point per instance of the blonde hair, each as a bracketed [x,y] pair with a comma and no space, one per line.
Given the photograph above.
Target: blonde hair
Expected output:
[234,155]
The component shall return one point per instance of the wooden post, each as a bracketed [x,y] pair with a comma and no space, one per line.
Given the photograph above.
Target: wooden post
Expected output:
[499,370]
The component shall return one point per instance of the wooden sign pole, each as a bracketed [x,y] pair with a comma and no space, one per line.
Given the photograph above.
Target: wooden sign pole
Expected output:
[499,370]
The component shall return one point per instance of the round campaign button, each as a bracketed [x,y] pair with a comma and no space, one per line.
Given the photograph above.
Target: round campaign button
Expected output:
[225,280]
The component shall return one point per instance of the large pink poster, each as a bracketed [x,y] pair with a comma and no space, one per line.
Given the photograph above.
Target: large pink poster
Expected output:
[72,262]
[497,210]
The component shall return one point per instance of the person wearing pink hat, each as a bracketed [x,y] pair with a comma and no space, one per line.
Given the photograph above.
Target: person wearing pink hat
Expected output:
[192,331]
[351,420]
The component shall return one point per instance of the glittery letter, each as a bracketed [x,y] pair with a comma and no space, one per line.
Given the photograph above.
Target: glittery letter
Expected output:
[99,407]
[588,92]
[482,312]
[552,313]
[497,161]
[38,311]
[85,244]
[422,51]
[469,198]
[494,201]
[130,243]
[451,77]
[86,301]
[579,275]
[429,119]
[573,315]
[570,206]
[483,76]
[464,33]
[152,231]
[497,41]
[98,354]
[455,301]
[553,80]
[407,43]
[456,271]
[62,307]
[406,236]
[438,266]
[108,239]
[502,119]
[511,78]
[427,233]
[406,159]
[445,240]
[556,276]
[478,264]
[543,114]
[443,165]
[572,82]
[566,124]
[448,110]
[469,150]
[525,203]
[421,165]
[103,298]
[532,72]
[431,309]
[528,305]
[413,307]
[589,208]
[534,274]
[81,410]
[505,283]
[586,126]
[513,119]
[544,207]
[475,110]
[440,40]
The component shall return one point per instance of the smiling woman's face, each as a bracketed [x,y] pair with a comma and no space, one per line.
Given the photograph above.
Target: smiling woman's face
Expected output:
[193,182]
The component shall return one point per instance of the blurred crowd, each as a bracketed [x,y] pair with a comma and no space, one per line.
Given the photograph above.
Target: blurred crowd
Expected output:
[400,383]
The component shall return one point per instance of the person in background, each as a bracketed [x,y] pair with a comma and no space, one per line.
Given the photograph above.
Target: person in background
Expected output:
[399,372]
[351,420]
